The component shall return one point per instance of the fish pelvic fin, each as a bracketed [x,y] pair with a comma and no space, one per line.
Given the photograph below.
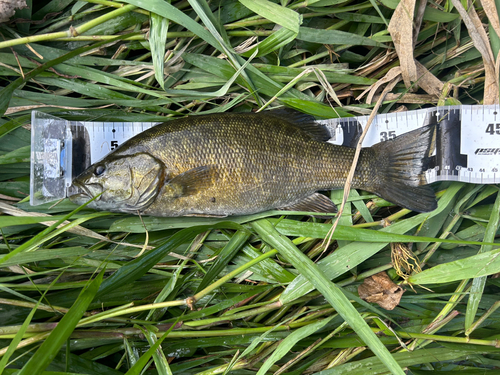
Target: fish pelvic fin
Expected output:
[401,165]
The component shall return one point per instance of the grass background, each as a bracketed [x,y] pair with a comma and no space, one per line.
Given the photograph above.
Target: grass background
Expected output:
[249,295]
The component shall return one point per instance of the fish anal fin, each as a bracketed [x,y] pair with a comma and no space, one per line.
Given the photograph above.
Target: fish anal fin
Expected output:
[303,121]
[192,181]
[314,203]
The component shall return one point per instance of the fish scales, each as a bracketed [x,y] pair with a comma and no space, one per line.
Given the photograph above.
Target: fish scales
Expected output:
[236,164]
[256,168]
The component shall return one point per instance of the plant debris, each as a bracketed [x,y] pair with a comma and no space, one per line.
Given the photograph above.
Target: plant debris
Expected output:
[8,8]
[380,289]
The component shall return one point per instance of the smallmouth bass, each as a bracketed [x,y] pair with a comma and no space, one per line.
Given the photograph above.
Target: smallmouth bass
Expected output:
[243,163]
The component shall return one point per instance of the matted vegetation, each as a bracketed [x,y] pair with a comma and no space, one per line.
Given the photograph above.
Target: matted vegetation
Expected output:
[104,293]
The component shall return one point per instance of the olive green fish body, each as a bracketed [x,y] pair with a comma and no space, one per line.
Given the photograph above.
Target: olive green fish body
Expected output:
[236,164]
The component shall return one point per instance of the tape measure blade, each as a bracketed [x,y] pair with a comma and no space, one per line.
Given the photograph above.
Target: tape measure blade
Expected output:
[107,136]
[468,143]
[383,127]
[480,129]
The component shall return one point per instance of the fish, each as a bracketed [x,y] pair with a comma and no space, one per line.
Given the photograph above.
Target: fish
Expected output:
[226,164]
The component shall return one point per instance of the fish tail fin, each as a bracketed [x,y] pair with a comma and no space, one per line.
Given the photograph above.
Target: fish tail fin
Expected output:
[402,163]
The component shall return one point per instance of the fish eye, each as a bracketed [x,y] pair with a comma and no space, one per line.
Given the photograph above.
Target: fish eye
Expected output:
[99,170]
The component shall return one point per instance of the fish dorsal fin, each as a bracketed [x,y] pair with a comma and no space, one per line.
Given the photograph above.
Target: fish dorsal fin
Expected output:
[314,203]
[192,181]
[303,121]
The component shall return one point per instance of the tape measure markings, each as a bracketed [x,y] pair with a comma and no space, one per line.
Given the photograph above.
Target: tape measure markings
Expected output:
[461,148]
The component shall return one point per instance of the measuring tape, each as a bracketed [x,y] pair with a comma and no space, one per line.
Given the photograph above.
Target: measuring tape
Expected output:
[467,144]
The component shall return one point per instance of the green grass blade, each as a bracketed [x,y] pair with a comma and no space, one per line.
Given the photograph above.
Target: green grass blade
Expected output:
[349,256]
[320,230]
[204,12]
[48,233]
[45,254]
[328,289]
[288,343]
[477,288]
[170,12]
[141,265]
[222,91]
[236,242]
[17,339]
[13,124]
[283,16]
[48,350]
[6,92]
[480,265]
[139,366]
[224,70]
[22,329]
[268,267]
[373,366]
[273,42]
[20,155]
[335,37]
[157,41]
[314,108]
[161,362]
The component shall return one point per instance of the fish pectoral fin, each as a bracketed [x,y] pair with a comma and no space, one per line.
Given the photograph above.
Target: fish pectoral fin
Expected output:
[192,181]
[314,203]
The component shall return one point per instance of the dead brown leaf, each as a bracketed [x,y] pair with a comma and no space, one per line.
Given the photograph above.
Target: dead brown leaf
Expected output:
[378,62]
[381,290]
[404,30]
[428,81]
[491,12]
[393,74]
[418,19]
[401,30]
[409,99]
[481,42]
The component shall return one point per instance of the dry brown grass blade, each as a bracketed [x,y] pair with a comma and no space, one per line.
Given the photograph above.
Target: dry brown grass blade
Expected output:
[378,62]
[404,30]
[497,67]
[401,30]
[12,110]
[391,75]
[350,176]
[418,19]
[9,198]
[409,98]
[428,81]
[481,42]
[491,12]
